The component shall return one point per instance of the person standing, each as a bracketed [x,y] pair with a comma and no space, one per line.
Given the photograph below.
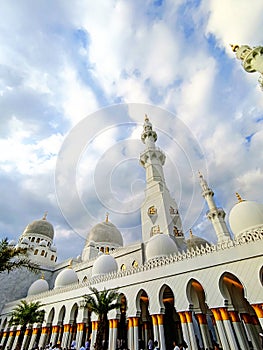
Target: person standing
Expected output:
[175,346]
[150,344]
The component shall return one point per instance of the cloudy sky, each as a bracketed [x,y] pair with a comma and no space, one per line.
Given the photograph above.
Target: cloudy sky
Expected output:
[77,77]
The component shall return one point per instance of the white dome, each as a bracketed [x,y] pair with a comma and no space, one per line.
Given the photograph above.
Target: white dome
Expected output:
[65,277]
[39,286]
[12,243]
[43,243]
[105,232]
[160,245]
[244,216]
[104,264]
[53,248]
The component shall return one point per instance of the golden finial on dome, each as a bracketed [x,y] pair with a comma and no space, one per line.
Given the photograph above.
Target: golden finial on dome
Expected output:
[234,47]
[107,217]
[70,263]
[146,117]
[43,276]
[239,198]
[191,233]
[45,216]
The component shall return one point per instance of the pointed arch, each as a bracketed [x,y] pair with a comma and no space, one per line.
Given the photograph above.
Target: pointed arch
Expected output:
[196,296]
[50,316]
[61,315]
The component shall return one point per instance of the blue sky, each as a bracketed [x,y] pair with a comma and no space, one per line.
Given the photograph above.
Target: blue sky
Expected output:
[103,65]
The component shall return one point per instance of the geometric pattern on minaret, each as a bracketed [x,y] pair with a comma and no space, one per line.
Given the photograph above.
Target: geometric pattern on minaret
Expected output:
[159,211]
[215,215]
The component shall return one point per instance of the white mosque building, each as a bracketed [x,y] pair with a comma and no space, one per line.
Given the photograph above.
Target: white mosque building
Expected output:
[170,288]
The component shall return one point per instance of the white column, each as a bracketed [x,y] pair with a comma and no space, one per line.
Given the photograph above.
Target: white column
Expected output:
[33,338]
[239,330]
[228,328]
[5,335]
[114,333]
[221,329]
[94,333]
[26,339]
[43,337]
[185,329]
[130,333]
[190,326]
[65,337]
[11,337]
[135,322]
[204,330]
[54,335]
[161,332]
[79,336]
[155,328]
[111,345]
[18,331]
[255,339]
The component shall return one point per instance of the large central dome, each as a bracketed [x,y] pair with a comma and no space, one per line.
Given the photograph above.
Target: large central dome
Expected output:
[42,227]
[105,232]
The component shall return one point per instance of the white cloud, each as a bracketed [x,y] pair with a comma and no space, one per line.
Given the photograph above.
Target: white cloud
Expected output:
[234,22]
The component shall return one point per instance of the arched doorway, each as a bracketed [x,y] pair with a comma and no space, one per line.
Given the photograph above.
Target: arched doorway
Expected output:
[204,331]
[145,326]
[172,324]
[61,317]
[73,323]
[122,324]
[50,319]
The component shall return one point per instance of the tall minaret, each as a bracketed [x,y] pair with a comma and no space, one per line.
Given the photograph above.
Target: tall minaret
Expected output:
[252,59]
[215,215]
[159,212]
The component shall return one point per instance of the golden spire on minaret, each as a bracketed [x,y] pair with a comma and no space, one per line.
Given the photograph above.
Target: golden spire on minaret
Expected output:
[239,198]
[191,233]
[234,47]
[45,216]
[107,217]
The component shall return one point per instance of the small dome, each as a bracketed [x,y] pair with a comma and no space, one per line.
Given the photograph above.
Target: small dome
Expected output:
[25,241]
[105,232]
[12,243]
[160,245]
[105,263]
[53,248]
[66,277]
[42,227]
[245,215]
[43,243]
[39,286]
[195,241]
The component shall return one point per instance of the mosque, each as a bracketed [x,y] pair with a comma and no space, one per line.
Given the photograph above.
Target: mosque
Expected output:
[171,288]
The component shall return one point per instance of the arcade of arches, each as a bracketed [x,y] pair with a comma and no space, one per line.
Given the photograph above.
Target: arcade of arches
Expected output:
[235,326]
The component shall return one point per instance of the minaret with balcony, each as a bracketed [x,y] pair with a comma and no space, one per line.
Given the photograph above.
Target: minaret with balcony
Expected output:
[252,59]
[159,211]
[215,215]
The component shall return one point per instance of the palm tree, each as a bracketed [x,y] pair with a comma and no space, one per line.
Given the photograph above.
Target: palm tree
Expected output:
[26,313]
[12,258]
[101,303]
